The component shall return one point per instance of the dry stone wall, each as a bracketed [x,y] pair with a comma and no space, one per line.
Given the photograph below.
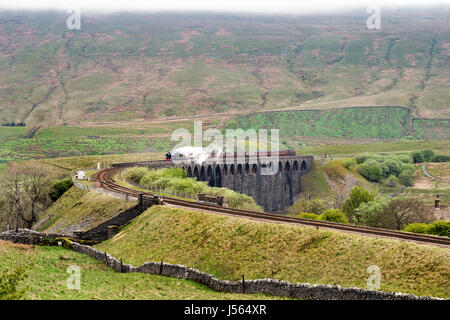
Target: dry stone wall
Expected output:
[264,286]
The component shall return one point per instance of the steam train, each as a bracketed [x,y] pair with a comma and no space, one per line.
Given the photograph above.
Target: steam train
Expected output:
[190,156]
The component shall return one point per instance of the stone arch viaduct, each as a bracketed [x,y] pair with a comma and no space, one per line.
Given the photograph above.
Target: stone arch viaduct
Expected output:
[272,182]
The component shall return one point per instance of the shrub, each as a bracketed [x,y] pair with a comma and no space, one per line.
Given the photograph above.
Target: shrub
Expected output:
[417,228]
[59,188]
[357,196]
[406,179]
[405,158]
[440,158]
[9,281]
[334,215]
[349,163]
[440,228]
[391,182]
[417,157]
[361,159]
[368,213]
[371,170]
[308,215]
[134,175]
[394,166]
[427,154]
[316,206]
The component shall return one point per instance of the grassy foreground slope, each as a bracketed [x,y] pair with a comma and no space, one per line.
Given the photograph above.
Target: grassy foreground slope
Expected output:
[81,210]
[47,276]
[231,247]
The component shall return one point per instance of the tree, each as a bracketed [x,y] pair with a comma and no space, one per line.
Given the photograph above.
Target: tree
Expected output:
[26,194]
[371,170]
[417,157]
[427,154]
[357,196]
[368,213]
[391,182]
[401,212]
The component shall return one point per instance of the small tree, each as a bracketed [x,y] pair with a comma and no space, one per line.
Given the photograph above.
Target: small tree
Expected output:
[427,154]
[357,196]
[401,212]
[417,157]
[368,213]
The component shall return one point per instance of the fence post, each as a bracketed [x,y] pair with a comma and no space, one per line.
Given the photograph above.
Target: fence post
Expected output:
[121,265]
[243,284]
[160,269]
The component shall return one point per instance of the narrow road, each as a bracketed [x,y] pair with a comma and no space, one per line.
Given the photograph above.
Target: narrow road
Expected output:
[424,169]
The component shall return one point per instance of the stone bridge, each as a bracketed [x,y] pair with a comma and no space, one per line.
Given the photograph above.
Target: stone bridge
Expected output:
[273,185]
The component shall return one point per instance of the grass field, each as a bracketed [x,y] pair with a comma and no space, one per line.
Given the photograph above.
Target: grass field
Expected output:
[81,210]
[348,123]
[230,247]
[47,278]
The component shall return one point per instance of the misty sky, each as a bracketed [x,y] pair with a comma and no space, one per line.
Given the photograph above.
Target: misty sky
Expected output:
[257,6]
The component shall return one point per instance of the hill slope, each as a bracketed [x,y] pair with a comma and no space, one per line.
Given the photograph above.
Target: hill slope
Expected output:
[128,66]
[46,268]
[230,247]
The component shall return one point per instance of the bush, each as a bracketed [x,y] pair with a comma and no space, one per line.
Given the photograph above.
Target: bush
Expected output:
[349,163]
[361,159]
[9,281]
[59,188]
[134,175]
[427,154]
[316,206]
[391,182]
[357,196]
[308,215]
[417,228]
[417,157]
[334,215]
[371,170]
[406,179]
[440,228]
[440,158]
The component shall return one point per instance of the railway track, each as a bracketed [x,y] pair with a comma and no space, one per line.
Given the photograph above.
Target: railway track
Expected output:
[107,182]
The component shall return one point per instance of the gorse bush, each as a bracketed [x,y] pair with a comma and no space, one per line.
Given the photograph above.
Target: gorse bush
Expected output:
[334,215]
[417,228]
[437,228]
[440,228]
[176,180]
[308,215]
[9,282]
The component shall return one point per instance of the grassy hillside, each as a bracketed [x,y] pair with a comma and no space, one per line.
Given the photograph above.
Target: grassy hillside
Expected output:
[142,66]
[81,210]
[348,123]
[230,247]
[47,276]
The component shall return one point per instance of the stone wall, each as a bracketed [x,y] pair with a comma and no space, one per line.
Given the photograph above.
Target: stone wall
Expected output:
[265,286]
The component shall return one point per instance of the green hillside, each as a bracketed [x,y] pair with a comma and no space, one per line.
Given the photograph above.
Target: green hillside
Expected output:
[230,247]
[146,66]
[46,270]
[348,123]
